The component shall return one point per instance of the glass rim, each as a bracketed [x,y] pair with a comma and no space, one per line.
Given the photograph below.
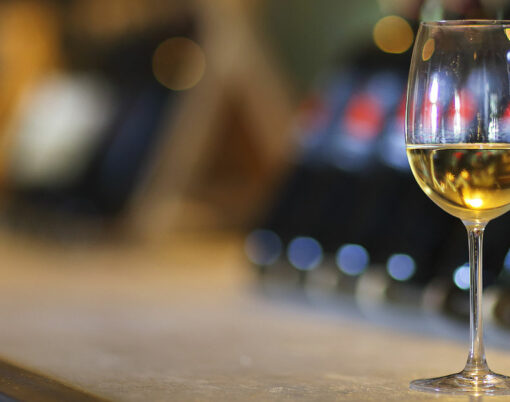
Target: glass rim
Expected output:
[471,23]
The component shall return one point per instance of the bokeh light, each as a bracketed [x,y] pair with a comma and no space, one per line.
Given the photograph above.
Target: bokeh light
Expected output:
[178,63]
[401,267]
[352,259]
[304,253]
[428,49]
[263,247]
[461,276]
[506,262]
[507,33]
[474,202]
[393,34]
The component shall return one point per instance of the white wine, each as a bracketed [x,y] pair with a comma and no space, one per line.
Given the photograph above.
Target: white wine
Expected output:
[469,181]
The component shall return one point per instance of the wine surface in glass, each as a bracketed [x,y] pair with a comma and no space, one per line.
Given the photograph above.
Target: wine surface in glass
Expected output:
[469,181]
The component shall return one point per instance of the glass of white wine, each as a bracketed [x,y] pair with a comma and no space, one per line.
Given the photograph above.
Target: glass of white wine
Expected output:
[458,146]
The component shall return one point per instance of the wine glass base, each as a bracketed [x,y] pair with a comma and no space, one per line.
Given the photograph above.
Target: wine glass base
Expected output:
[465,383]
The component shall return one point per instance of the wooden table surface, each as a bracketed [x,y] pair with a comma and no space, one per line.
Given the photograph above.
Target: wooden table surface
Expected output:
[179,320]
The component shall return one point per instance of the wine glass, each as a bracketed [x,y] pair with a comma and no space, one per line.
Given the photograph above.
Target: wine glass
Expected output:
[458,146]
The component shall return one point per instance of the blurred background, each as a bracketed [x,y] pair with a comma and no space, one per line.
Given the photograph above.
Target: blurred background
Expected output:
[279,123]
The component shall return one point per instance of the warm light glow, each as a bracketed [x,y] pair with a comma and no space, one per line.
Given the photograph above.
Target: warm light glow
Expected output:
[474,202]
[428,49]
[178,63]
[393,34]
[507,33]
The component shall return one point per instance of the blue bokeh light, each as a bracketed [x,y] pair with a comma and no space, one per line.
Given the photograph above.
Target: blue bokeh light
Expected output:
[506,261]
[304,253]
[263,247]
[461,276]
[401,267]
[352,259]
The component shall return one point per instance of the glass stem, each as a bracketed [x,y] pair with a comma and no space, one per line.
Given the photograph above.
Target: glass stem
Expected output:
[476,362]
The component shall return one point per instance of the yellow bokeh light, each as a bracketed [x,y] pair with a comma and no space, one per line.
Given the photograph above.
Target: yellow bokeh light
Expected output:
[178,63]
[428,49]
[393,34]
[474,202]
[507,33]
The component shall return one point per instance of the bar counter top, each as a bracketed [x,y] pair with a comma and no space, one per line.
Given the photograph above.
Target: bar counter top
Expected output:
[180,320]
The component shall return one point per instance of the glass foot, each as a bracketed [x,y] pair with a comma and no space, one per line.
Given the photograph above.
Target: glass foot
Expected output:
[465,383]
